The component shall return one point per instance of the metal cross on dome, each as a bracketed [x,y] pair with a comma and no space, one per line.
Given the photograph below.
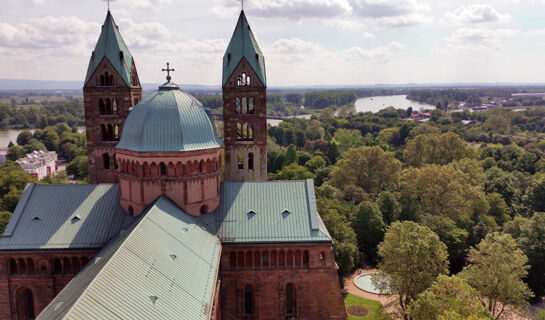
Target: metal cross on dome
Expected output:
[168,69]
[108,1]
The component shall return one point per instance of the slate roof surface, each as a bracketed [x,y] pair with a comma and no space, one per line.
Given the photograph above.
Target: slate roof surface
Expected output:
[164,267]
[109,45]
[243,45]
[169,120]
[65,217]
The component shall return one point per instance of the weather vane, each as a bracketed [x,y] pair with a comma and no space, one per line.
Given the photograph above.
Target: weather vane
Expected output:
[108,1]
[168,69]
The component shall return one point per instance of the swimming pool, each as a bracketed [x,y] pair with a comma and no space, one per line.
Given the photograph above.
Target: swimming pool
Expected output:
[364,283]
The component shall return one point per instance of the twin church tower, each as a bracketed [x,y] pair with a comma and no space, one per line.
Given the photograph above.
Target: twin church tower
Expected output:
[112,88]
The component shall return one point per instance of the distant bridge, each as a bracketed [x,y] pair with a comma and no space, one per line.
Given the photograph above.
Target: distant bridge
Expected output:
[219,116]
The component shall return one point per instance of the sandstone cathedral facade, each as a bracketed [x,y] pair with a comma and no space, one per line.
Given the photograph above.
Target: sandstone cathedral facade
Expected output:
[158,234]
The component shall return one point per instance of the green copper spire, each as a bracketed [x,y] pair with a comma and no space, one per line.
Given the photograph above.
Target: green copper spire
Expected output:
[243,45]
[110,45]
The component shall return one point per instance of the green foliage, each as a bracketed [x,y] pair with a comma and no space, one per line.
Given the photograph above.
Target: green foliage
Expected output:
[79,167]
[346,139]
[294,172]
[291,156]
[324,99]
[496,270]
[448,298]
[436,149]
[412,258]
[315,163]
[369,227]
[4,220]
[13,181]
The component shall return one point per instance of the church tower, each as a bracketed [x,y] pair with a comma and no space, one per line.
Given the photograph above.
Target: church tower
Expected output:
[244,107]
[110,90]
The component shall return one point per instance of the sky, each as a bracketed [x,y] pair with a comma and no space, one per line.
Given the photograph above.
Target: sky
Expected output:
[305,42]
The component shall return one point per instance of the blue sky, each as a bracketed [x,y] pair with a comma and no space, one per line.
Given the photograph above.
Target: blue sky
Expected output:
[305,42]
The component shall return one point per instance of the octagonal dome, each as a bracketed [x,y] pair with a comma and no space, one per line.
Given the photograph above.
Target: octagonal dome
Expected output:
[169,120]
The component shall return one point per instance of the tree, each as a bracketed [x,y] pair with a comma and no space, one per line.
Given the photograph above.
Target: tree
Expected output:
[23,137]
[529,234]
[315,163]
[496,270]
[294,98]
[389,206]
[369,227]
[332,152]
[504,183]
[450,298]
[291,156]
[346,139]
[294,172]
[15,152]
[453,237]
[436,149]
[412,259]
[4,220]
[369,168]
[78,167]
[498,208]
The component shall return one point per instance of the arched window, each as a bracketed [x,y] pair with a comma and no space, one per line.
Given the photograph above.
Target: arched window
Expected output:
[24,304]
[240,260]
[76,265]
[22,266]
[201,166]
[297,259]
[251,105]
[249,260]
[240,161]
[110,132]
[111,80]
[265,259]
[289,262]
[84,262]
[281,259]
[257,260]
[114,106]
[240,133]
[30,265]
[248,299]
[248,80]
[57,265]
[305,259]
[106,79]
[204,209]
[322,256]
[104,132]
[250,161]
[108,106]
[290,299]
[273,259]
[243,79]
[163,169]
[12,266]
[250,132]
[238,106]
[244,105]
[67,266]
[106,161]
[233,260]
[116,132]
[101,107]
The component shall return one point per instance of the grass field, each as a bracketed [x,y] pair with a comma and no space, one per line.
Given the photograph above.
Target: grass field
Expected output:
[375,308]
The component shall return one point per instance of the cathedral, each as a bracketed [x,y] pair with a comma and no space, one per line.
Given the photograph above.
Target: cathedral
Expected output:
[158,234]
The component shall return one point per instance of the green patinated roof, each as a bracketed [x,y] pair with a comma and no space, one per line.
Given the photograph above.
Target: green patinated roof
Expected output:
[169,120]
[45,217]
[164,267]
[243,45]
[109,45]
[269,224]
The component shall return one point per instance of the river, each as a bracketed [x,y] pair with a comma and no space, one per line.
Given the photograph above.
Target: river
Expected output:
[11,135]
[375,104]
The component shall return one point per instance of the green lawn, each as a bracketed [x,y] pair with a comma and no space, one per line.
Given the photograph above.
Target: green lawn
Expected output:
[376,310]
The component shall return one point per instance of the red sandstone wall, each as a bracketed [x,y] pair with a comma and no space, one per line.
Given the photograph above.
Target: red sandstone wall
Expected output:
[38,272]
[318,293]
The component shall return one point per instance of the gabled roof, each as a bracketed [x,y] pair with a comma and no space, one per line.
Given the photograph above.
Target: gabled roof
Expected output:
[164,267]
[243,45]
[169,120]
[109,45]
[267,212]
[44,217]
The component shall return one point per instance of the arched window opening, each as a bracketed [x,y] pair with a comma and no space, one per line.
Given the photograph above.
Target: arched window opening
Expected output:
[84,262]
[243,79]
[239,81]
[24,304]
[322,256]
[251,105]
[240,134]
[179,169]
[76,265]
[114,106]
[240,161]
[201,166]
[249,260]
[250,132]
[163,169]
[115,163]
[248,299]
[273,259]
[111,80]
[108,106]
[265,259]
[250,161]
[58,266]
[290,299]
[297,259]
[248,80]
[305,259]
[104,132]
[244,105]
[102,82]
[240,260]
[131,211]
[281,259]
[12,266]
[238,106]
[67,266]
[22,266]
[30,266]
[257,260]
[106,79]
[110,132]
[106,161]
[289,262]
[204,209]
[101,107]
[43,267]
[116,132]
[233,260]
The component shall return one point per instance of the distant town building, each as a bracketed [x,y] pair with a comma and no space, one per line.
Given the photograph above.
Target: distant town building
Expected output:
[39,163]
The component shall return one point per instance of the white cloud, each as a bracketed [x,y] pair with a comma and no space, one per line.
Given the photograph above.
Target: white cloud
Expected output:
[144,4]
[393,13]
[473,44]
[368,35]
[381,54]
[536,33]
[475,14]
[142,35]
[292,9]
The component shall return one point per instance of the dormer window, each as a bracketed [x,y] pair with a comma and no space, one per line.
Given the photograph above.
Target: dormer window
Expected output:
[121,56]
